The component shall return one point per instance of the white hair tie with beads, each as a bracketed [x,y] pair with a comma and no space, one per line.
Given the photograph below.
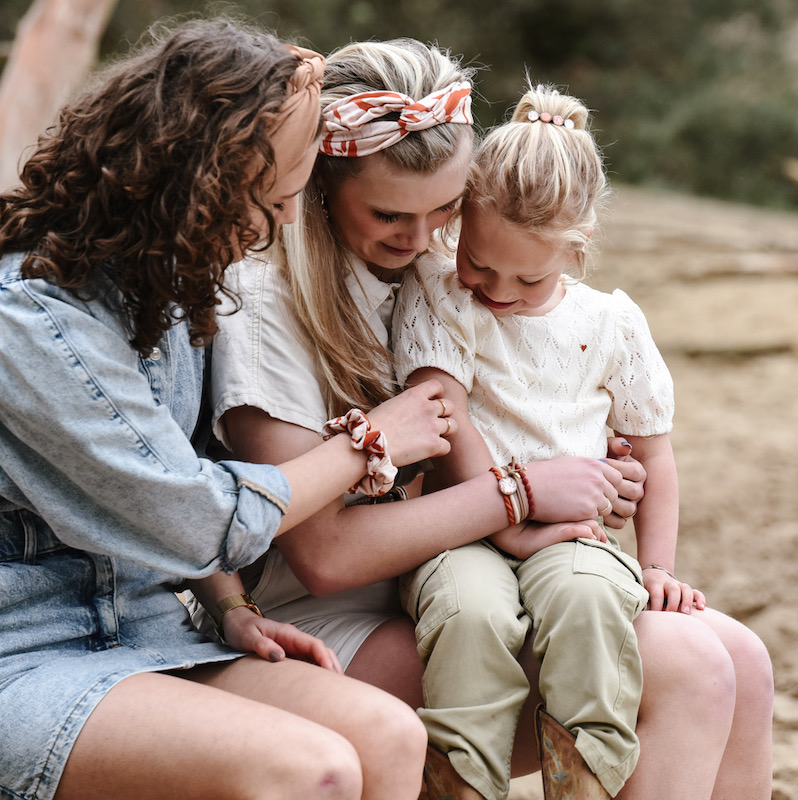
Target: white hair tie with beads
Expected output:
[554,119]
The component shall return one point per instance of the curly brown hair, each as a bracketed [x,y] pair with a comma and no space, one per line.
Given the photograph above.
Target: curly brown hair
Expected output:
[149,177]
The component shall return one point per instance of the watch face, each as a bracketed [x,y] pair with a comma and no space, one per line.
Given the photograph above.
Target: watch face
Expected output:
[508,485]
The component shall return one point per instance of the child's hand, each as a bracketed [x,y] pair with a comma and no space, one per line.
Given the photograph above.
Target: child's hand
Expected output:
[523,541]
[667,593]
[630,489]
[273,641]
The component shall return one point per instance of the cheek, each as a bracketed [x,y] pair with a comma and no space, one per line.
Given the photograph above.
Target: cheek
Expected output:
[539,294]
[465,275]
[361,229]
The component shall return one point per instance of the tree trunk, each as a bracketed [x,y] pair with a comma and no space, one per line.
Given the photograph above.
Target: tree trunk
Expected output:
[54,50]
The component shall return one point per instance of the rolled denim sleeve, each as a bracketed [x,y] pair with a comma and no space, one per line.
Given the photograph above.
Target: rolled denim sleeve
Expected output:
[95,440]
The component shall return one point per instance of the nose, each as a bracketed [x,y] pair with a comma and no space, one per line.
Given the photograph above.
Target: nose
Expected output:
[496,288]
[285,214]
[417,235]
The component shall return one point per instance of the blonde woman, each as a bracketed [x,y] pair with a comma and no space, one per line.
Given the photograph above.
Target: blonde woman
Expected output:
[312,339]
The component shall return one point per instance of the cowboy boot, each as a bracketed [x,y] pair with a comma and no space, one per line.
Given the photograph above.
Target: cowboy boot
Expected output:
[565,774]
[443,782]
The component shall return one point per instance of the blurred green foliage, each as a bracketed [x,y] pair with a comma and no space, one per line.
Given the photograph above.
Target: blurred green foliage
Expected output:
[693,95]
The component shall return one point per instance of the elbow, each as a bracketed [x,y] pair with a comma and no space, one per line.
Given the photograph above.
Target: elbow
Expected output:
[322,580]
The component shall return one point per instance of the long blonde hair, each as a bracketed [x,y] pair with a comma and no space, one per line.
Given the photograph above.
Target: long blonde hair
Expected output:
[547,178]
[355,368]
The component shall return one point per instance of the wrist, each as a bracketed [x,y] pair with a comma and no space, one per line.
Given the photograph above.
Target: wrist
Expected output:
[516,492]
[380,471]
[660,567]
[227,604]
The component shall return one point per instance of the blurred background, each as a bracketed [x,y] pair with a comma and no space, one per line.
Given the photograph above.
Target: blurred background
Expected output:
[693,95]
[696,107]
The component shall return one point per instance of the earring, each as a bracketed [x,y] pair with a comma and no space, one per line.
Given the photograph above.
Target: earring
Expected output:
[323,204]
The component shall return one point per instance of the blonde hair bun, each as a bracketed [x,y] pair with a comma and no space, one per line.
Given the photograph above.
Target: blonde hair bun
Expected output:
[545,99]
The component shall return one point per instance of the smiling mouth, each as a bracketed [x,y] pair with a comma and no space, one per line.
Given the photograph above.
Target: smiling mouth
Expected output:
[493,303]
[398,251]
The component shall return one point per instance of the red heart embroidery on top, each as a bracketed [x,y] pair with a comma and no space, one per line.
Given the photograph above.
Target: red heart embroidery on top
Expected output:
[584,347]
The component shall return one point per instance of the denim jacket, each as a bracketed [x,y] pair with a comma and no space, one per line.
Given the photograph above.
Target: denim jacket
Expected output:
[95,451]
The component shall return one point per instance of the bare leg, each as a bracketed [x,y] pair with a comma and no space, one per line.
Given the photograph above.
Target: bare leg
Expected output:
[525,750]
[686,710]
[389,738]
[746,772]
[250,730]
[389,660]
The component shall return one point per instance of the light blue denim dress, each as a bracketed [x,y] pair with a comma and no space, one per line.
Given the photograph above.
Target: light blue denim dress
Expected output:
[104,507]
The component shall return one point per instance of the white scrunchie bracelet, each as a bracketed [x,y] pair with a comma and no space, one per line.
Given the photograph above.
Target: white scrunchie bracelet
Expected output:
[381,472]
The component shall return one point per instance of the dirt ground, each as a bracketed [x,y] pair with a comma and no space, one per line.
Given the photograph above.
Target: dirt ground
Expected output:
[719,285]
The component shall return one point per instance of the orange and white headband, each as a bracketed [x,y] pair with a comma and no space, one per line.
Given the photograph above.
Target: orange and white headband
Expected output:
[294,127]
[355,126]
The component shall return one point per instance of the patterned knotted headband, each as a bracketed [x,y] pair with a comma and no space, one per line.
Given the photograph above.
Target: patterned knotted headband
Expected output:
[355,126]
[293,128]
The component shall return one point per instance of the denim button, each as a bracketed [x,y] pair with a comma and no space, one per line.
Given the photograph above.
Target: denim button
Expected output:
[155,355]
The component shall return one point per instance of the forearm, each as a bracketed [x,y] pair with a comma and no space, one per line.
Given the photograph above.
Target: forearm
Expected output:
[318,476]
[358,545]
[469,455]
[211,590]
[657,517]
[344,547]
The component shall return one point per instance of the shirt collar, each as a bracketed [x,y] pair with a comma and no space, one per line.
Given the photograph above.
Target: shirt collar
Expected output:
[371,290]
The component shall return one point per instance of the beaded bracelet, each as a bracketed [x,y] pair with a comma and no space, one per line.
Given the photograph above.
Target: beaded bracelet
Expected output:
[381,472]
[530,498]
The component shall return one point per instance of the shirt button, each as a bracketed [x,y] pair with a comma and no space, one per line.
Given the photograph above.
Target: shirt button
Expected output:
[155,355]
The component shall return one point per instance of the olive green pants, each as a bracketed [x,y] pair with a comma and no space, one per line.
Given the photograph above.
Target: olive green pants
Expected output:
[474,607]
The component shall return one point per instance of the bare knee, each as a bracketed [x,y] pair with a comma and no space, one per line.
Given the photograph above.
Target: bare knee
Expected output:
[686,665]
[397,730]
[328,767]
[754,674]
[714,678]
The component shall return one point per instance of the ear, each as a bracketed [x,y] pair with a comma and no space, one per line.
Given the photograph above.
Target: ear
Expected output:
[316,179]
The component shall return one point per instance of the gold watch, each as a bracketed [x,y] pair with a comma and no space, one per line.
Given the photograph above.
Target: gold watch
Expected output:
[228,604]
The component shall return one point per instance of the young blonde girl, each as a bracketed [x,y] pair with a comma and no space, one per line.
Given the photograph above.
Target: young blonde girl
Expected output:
[538,365]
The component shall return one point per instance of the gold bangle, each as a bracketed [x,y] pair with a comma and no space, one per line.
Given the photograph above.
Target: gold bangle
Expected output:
[228,604]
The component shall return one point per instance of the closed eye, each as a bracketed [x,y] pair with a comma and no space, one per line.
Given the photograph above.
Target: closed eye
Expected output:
[383,217]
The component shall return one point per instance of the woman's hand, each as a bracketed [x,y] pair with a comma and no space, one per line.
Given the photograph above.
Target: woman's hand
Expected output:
[415,423]
[273,641]
[526,539]
[667,593]
[572,487]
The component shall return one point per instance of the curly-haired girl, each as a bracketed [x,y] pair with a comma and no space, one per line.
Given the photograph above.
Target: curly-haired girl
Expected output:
[112,258]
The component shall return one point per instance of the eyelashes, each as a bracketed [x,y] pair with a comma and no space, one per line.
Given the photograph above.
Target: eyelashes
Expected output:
[390,218]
